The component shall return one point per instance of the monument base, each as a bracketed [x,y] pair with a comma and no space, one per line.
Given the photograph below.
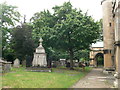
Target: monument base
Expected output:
[117,80]
[109,71]
[116,85]
[39,69]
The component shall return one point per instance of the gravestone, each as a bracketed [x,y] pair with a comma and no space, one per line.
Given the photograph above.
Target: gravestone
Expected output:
[75,63]
[16,63]
[24,63]
[58,63]
[40,56]
[62,62]
[54,64]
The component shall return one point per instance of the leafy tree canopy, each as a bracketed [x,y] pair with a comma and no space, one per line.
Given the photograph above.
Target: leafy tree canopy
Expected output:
[22,42]
[9,16]
[67,29]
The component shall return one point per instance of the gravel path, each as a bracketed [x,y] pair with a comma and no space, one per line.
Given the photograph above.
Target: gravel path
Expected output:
[95,79]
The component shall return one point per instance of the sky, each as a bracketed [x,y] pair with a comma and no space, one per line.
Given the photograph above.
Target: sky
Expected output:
[97,44]
[29,7]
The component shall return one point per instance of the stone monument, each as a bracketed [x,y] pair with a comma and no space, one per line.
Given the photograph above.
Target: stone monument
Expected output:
[62,61]
[16,63]
[5,66]
[39,56]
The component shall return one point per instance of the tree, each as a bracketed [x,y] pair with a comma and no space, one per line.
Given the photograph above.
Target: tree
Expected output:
[67,29]
[8,18]
[9,15]
[43,28]
[82,55]
[22,42]
[101,30]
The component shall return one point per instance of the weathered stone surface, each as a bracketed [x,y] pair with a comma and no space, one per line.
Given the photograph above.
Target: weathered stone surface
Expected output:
[117,75]
[62,62]
[108,33]
[39,56]
[116,83]
[16,63]
[5,66]
[93,53]
[55,64]
[24,62]
[95,80]
[76,64]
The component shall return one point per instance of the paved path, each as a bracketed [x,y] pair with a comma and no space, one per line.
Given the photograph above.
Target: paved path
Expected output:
[95,79]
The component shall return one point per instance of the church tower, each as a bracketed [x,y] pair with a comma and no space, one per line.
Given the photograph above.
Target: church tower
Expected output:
[108,33]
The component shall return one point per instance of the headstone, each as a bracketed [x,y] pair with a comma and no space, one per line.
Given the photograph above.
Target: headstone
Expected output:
[16,63]
[54,64]
[40,56]
[75,63]
[7,66]
[62,62]
[58,63]
[24,63]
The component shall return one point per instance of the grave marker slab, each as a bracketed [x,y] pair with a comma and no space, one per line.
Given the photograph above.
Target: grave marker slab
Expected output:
[16,63]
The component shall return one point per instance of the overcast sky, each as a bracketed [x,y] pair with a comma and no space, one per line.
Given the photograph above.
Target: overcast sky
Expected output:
[29,7]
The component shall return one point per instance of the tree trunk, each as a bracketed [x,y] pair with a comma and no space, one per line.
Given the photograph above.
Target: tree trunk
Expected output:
[70,52]
[71,59]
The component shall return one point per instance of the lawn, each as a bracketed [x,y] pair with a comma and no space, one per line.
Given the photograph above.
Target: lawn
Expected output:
[59,78]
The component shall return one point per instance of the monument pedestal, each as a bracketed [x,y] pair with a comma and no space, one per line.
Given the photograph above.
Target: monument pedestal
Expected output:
[117,80]
[39,63]
[117,74]
[39,56]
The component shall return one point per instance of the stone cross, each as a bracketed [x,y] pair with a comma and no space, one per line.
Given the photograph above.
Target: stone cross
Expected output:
[40,40]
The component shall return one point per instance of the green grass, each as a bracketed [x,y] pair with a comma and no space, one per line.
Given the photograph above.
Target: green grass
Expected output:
[59,78]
